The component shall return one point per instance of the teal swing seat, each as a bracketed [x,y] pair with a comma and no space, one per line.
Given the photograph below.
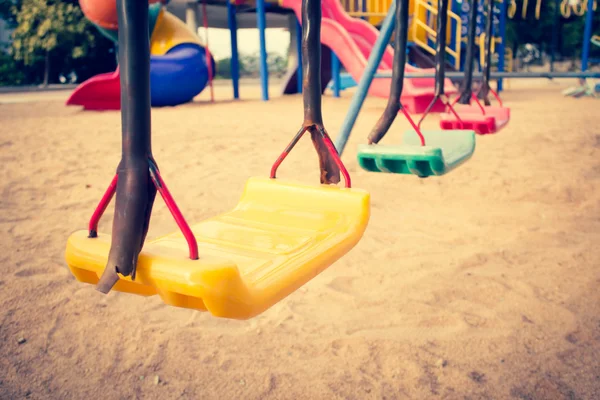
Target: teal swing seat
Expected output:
[443,152]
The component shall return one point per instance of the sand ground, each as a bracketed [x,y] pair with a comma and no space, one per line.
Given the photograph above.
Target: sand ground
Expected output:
[482,284]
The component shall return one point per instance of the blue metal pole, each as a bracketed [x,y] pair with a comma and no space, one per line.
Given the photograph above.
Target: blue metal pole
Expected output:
[335,74]
[502,34]
[234,64]
[587,36]
[499,75]
[453,36]
[299,50]
[364,10]
[367,77]
[262,25]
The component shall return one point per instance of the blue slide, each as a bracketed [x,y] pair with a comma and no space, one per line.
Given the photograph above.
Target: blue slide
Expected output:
[179,75]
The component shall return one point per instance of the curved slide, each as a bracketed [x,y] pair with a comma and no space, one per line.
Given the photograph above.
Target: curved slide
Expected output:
[185,63]
[352,40]
[178,62]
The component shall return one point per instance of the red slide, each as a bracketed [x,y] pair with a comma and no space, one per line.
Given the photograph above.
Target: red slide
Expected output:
[101,92]
[352,40]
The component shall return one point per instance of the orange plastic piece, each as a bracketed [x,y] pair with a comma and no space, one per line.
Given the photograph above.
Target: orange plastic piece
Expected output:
[279,236]
[104,12]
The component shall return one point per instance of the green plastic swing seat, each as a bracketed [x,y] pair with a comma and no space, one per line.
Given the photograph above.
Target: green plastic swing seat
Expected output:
[443,152]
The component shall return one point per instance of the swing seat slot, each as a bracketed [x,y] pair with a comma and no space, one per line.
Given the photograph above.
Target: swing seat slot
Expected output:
[279,236]
[442,153]
[494,119]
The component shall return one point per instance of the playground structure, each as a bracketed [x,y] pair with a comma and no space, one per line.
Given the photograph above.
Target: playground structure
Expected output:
[422,36]
[180,64]
[350,38]
[504,55]
[352,41]
[347,39]
[361,37]
[385,35]
[354,26]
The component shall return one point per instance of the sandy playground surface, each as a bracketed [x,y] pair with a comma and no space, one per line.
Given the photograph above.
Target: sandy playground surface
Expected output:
[479,285]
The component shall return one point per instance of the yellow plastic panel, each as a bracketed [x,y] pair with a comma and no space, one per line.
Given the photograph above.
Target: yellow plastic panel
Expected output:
[170,31]
[279,236]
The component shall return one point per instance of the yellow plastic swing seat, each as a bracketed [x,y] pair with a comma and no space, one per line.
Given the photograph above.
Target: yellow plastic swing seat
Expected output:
[279,236]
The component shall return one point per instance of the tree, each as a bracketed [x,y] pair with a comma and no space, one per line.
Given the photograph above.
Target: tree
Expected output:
[250,64]
[530,30]
[7,11]
[277,64]
[43,26]
[223,67]
[10,73]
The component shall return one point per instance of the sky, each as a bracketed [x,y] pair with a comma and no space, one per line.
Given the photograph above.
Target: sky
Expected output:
[277,39]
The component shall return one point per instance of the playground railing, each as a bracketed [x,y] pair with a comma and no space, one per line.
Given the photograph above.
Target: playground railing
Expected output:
[481,39]
[424,33]
[373,10]
[508,54]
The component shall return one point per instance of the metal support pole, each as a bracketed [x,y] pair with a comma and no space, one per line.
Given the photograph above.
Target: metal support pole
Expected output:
[134,63]
[299,50]
[234,64]
[502,45]
[191,16]
[466,92]
[262,25]
[134,191]
[335,74]
[499,75]
[487,65]
[555,31]
[587,36]
[367,77]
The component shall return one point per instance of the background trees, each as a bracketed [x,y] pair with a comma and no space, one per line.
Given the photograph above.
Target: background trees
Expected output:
[529,30]
[50,40]
[44,27]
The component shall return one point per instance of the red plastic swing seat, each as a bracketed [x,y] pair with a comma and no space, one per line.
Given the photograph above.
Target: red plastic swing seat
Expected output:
[494,119]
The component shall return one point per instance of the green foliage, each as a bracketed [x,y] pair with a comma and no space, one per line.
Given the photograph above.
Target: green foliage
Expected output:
[10,73]
[249,66]
[277,64]
[223,67]
[43,25]
[7,11]
[80,47]
[530,30]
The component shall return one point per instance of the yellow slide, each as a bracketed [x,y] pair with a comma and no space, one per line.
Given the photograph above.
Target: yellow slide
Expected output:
[170,31]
